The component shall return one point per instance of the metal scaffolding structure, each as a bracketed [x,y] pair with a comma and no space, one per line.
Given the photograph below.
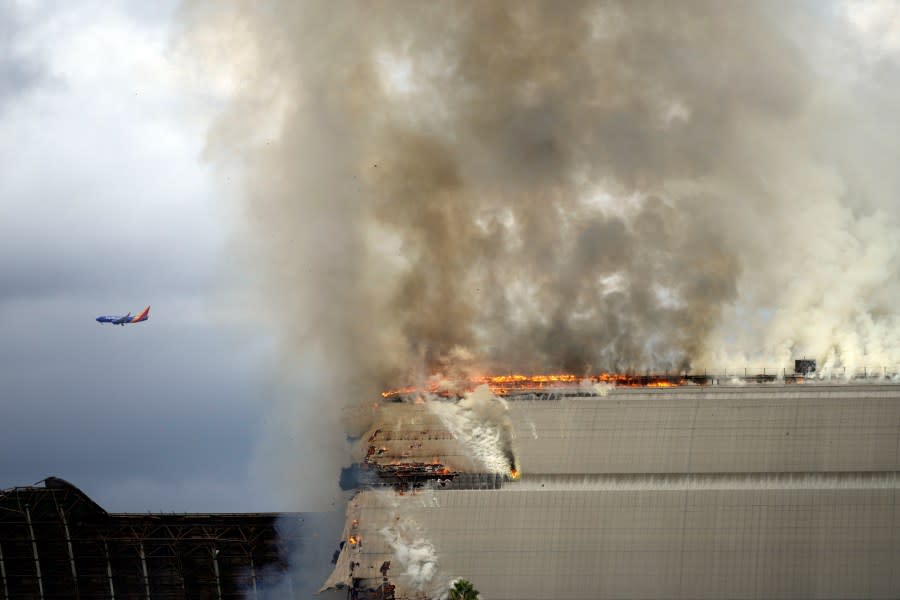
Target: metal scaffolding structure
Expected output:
[55,542]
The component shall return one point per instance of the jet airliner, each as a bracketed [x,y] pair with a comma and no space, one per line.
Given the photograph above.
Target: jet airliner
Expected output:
[116,320]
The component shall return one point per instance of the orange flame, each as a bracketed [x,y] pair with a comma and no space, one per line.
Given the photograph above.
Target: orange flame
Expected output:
[515,474]
[514,382]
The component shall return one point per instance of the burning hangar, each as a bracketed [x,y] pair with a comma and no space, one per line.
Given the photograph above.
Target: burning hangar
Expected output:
[751,490]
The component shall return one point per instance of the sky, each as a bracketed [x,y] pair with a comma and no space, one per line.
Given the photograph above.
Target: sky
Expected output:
[107,205]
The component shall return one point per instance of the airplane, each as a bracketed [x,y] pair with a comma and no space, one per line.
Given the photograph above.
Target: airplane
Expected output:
[115,320]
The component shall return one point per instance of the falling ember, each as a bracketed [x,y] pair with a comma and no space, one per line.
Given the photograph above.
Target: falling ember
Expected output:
[511,383]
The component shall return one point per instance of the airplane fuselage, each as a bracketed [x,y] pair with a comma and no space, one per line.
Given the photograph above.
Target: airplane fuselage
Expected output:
[115,320]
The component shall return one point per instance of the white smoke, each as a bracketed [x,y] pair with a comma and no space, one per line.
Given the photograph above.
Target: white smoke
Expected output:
[480,423]
[603,388]
[415,555]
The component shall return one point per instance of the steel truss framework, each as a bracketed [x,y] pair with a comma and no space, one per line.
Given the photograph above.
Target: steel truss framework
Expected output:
[55,542]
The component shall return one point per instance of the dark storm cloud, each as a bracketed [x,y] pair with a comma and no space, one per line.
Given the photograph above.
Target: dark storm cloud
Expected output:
[167,406]
[104,406]
[40,268]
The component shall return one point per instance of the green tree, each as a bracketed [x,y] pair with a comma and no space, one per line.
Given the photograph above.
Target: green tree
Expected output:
[463,590]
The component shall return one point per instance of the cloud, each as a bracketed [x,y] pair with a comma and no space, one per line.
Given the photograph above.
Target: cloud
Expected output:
[20,69]
[877,23]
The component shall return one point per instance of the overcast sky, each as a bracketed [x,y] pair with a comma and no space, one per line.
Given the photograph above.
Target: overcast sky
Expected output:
[106,206]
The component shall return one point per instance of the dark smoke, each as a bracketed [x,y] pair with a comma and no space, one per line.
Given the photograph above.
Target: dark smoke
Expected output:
[503,196]
[537,186]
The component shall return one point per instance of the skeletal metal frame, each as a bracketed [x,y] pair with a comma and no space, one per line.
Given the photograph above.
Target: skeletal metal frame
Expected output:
[55,542]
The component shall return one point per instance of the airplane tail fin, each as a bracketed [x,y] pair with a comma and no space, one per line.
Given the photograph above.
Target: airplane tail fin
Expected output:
[143,316]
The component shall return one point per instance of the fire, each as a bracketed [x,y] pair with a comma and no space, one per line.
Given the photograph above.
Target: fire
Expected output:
[516,382]
[515,474]
[400,392]
[662,384]
[354,540]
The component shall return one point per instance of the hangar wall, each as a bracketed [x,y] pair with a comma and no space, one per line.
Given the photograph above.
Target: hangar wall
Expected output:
[649,543]
[713,429]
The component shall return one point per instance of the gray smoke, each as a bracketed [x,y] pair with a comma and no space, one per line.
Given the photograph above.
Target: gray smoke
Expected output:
[539,186]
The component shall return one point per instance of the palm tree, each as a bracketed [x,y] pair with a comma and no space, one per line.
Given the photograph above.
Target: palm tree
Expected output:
[463,590]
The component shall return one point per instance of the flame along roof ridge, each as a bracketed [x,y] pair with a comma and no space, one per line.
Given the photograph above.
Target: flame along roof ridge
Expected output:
[514,382]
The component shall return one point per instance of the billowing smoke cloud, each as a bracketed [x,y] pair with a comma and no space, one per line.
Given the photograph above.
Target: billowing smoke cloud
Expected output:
[583,186]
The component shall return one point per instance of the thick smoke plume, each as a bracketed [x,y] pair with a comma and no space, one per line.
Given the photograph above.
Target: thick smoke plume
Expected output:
[536,186]
[581,187]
